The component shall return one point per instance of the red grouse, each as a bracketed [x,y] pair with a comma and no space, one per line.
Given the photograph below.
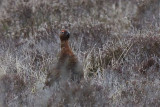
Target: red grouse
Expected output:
[68,67]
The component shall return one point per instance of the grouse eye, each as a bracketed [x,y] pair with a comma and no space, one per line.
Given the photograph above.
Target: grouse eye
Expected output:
[62,32]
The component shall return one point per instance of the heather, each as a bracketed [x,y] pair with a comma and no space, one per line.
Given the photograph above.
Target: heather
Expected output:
[116,41]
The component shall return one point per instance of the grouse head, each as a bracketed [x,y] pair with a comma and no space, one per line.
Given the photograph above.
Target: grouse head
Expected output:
[64,35]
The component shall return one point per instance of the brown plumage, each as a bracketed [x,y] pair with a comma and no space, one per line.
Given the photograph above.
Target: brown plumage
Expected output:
[68,67]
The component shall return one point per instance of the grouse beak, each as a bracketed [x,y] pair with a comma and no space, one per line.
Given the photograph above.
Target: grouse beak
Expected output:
[68,33]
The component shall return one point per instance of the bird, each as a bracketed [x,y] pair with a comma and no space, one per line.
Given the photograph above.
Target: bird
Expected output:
[68,67]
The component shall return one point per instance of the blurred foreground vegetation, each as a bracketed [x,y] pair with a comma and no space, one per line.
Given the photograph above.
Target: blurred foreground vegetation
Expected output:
[117,41]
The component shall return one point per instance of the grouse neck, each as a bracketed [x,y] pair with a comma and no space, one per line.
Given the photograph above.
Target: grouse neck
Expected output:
[65,44]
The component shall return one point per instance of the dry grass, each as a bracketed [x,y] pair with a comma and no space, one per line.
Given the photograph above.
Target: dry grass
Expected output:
[117,42]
